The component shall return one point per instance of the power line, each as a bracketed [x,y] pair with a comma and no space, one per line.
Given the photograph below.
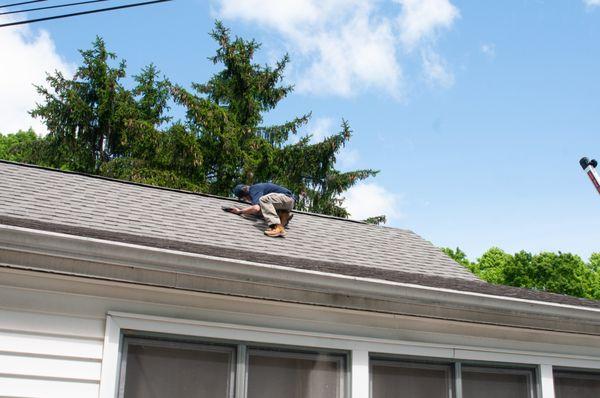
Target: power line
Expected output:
[75,14]
[51,7]
[21,3]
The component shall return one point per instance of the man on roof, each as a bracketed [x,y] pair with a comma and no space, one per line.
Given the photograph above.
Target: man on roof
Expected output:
[274,202]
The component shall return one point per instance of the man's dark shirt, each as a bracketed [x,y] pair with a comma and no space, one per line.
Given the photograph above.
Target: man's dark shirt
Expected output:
[256,191]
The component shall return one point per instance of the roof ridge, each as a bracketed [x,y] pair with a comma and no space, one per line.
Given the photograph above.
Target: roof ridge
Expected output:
[203,194]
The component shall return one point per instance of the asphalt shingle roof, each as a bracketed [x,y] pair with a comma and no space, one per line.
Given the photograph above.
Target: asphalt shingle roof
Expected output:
[96,207]
[74,200]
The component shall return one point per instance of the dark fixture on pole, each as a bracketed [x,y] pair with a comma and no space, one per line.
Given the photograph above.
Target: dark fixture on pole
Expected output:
[589,166]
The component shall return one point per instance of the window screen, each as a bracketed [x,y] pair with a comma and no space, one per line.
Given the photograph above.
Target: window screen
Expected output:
[157,369]
[569,384]
[480,382]
[275,374]
[410,380]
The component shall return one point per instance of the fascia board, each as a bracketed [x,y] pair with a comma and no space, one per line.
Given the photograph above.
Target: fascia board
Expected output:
[89,249]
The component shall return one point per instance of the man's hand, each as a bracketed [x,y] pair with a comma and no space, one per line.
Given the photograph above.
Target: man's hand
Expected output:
[255,209]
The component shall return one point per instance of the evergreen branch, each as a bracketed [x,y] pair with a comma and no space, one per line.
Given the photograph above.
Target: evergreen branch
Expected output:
[201,111]
[278,134]
[376,220]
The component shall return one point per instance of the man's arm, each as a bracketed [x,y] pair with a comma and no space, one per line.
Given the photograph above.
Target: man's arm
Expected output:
[254,209]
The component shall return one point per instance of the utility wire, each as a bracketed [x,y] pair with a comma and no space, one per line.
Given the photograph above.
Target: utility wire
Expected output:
[51,7]
[21,3]
[75,14]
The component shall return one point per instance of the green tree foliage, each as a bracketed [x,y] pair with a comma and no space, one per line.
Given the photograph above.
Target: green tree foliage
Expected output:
[226,114]
[15,147]
[97,125]
[459,256]
[150,152]
[86,116]
[595,262]
[562,273]
[376,220]
[553,272]
[491,264]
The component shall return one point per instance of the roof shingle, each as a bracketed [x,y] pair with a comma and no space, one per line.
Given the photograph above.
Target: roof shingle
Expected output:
[75,200]
[98,207]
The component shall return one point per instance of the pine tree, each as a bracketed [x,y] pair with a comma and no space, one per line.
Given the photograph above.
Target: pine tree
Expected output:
[96,125]
[86,115]
[227,112]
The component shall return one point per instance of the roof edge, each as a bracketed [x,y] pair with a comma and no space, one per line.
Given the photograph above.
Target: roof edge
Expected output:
[139,184]
[137,257]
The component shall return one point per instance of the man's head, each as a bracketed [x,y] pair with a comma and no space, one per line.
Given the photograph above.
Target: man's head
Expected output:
[242,192]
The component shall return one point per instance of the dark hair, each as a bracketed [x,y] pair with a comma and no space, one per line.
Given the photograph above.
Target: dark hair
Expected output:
[240,190]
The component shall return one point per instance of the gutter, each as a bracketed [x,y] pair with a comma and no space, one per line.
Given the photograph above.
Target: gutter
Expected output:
[37,250]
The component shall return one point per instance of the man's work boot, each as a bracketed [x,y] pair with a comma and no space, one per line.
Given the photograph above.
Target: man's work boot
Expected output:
[275,231]
[285,217]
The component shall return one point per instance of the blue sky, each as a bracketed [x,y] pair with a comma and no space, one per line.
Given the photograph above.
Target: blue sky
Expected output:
[476,112]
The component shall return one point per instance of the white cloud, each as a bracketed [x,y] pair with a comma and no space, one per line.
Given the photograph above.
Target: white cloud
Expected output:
[348,158]
[27,57]
[422,19]
[345,46]
[361,54]
[489,49]
[435,69]
[592,3]
[320,128]
[284,15]
[366,200]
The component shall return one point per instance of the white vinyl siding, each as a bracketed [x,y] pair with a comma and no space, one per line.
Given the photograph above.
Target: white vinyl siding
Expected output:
[61,322]
[46,355]
[53,346]
[28,387]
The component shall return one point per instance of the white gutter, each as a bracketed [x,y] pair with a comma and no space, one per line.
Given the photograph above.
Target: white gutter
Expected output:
[128,255]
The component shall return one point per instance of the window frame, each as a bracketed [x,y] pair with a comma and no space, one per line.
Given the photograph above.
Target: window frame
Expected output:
[455,366]
[240,357]
[416,363]
[135,339]
[360,347]
[531,372]
[341,357]
[576,371]
[573,371]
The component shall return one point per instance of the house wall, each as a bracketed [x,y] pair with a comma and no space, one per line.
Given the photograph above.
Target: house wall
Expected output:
[53,340]
[49,355]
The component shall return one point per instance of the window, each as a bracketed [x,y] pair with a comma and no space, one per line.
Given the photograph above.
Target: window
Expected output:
[156,368]
[415,380]
[496,382]
[572,384]
[411,379]
[166,369]
[274,374]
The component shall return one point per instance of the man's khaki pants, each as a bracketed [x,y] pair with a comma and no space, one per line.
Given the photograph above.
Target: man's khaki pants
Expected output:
[270,203]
